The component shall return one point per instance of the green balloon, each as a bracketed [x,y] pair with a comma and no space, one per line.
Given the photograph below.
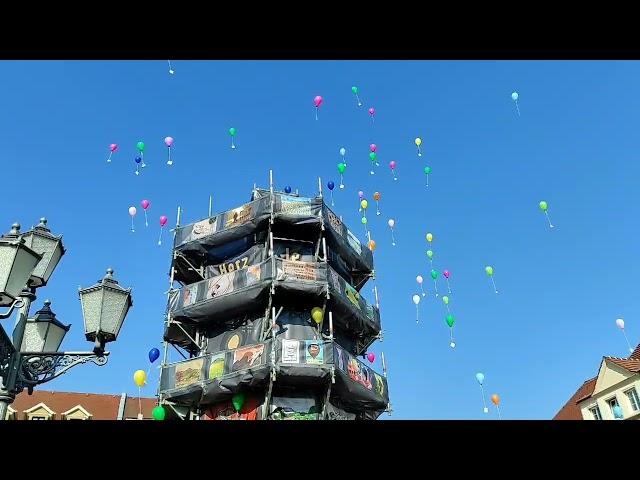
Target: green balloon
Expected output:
[450,320]
[445,299]
[364,220]
[354,90]
[373,156]
[342,167]
[434,274]
[543,206]
[238,401]
[140,146]
[232,132]
[489,270]
[430,253]
[427,170]
[158,413]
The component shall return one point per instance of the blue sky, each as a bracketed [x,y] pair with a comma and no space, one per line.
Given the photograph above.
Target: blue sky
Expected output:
[575,146]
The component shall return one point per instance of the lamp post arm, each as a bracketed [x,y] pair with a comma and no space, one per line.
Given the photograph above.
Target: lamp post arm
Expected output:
[17,303]
[37,368]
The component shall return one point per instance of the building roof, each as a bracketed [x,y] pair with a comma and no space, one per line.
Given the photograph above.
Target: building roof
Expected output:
[571,411]
[100,406]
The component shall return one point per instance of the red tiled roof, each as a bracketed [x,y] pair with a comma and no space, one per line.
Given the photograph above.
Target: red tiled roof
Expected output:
[132,407]
[571,411]
[631,364]
[100,406]
[636,353]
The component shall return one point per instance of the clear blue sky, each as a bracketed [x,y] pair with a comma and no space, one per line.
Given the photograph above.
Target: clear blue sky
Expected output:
[575,146]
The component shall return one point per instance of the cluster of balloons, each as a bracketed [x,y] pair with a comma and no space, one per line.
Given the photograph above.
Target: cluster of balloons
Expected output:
[140,379]
[145,204]
[495,398]
[139,158]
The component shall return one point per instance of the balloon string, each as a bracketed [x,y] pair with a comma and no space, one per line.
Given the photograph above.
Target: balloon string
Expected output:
[393,240]
[132,229]
[494,285]
[109,159]
[233,144]
[341,184]
[517,107]
[169,66]
[160,237]
[427,179]
[316,113]
[422,289]
[448,287]
[169,162]
[137,170]
[448,311]
[499,416]
[140,401]
[377,208]
[142,156]
[548,219]
[451,334]
[146,223]
[484,402]
[419,151]
[627,339]
[435,285]
[417,315]
[331,197]
[359,102]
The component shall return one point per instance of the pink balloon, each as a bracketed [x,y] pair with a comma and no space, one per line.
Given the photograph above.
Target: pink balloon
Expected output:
[620,323]
[168,141]
[446,274]
[163,221]
[145,204]
[373,147]
[392,164]
[360,194]
[132,211]
[372,111]
[371,357]
[113,147]
[317,101]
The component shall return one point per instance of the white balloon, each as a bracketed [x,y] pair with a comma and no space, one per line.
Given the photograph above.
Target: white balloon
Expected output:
[416,299]
[391,222]
[620,323]
[419,279]
[515,96]
[132,211]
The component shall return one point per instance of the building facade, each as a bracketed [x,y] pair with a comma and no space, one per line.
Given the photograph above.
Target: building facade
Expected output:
[46,405]
[617,384]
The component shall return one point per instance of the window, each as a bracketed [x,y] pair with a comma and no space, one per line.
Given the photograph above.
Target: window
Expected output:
[612,402]
[38,418]
[632,394]
[595,411]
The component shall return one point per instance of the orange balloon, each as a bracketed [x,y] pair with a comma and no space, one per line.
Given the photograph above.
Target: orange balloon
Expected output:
[376,196]
[495,398]
[372,245]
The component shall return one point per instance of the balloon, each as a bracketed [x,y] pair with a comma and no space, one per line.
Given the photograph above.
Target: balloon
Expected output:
[495,398]
[372,111]
[364,220]
[360,194]
[232,132]
[342,167]
[372,245]
[354,90]
[620,323]
[317,101]
[450,320]
[434,274]
[238,401]
[371,357]
[140,146]
[419,279]
[287,189]
[145,204]
[445,300]
[489,270]
[330,185]
[446,274]
[317,314]
[373,156]
[364,204]
[113,147]
[163,221]
[373,147]
[617,412]
[418,141]
[543,206]
[480,378]
[133,211]
[416,299]
[343,151]
[140,378]
[391,223]
[430,254]
[392,164]
[158,413]
[514,96]
[427,170]
[429,237]
[168,141]
[154,354]
[138,159]
[376,196]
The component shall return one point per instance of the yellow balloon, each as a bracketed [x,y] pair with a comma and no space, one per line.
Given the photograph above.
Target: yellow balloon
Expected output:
[140,377]
[418,141]
[317,314]
[429,237]
[364,204]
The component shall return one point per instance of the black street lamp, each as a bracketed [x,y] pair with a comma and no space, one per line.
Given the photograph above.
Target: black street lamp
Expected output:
[32,357]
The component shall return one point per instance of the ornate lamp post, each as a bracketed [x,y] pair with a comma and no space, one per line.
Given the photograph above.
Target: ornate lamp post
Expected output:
[32,357]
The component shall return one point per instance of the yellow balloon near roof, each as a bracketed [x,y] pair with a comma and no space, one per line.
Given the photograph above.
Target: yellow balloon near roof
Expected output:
[418,141]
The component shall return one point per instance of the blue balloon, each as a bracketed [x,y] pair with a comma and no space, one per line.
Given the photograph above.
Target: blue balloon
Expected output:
[330,185]
[287,189]
[617,412]
[138,159]
[154,354]
[480,378]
